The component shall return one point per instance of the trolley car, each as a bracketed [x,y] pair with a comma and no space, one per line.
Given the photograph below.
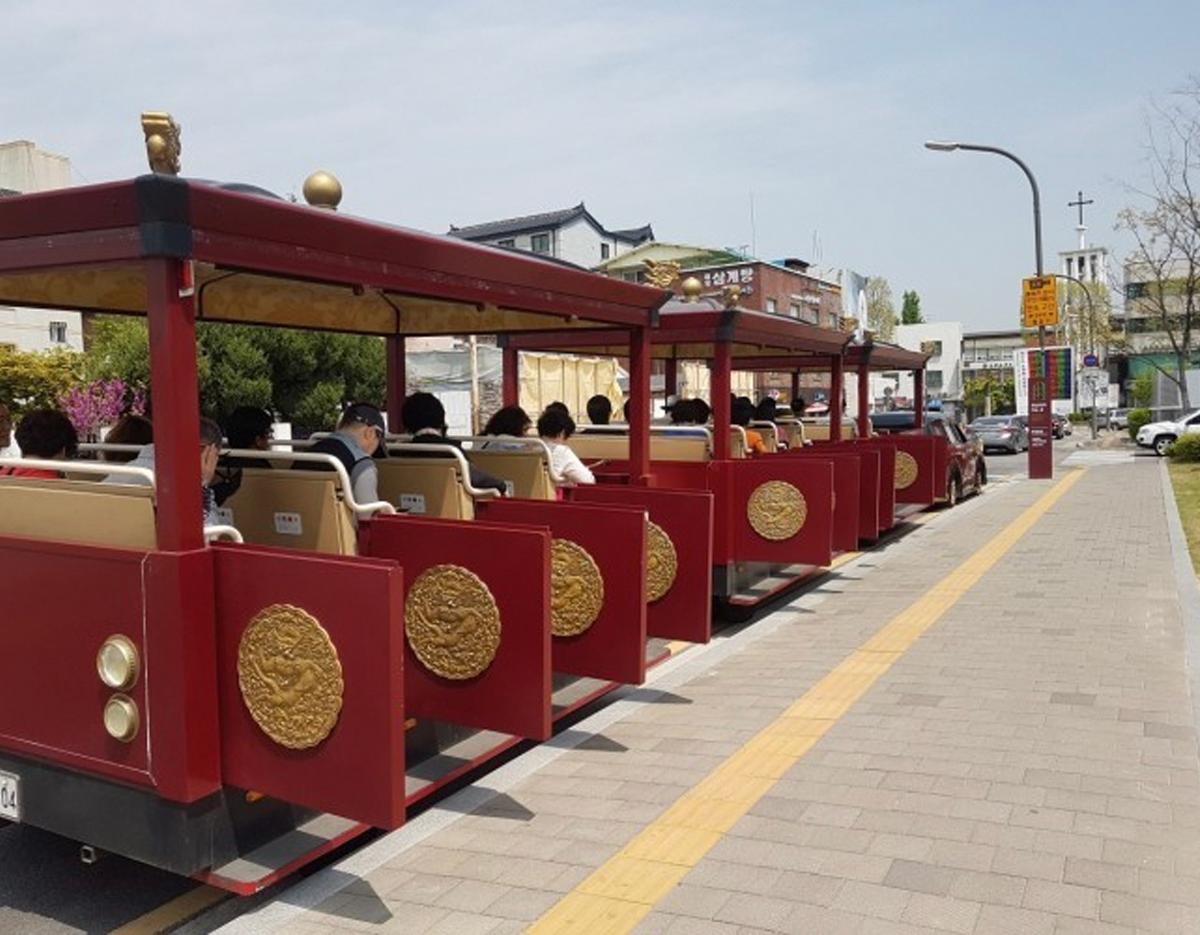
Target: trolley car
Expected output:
[231,710]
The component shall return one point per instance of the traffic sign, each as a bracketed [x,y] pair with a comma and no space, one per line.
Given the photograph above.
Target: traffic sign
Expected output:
[1091,360]
[1039,302]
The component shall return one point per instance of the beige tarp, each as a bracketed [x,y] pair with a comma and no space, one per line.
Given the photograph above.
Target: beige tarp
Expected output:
[547,378]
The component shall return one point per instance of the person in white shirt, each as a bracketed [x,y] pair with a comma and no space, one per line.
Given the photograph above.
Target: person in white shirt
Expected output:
[7,448]
[555,426]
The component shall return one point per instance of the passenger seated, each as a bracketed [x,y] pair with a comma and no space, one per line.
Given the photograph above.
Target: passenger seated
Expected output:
[798,407]
[766,410]
[45,434]
[248,427]
[688,417]
[6,443]
[210,450]
[555,427]
[130,429]
[425,418]
[356,442]
[510,422]
[740,414]
[599,410]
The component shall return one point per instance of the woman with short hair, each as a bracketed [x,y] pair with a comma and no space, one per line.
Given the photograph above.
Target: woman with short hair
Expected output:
[45,434]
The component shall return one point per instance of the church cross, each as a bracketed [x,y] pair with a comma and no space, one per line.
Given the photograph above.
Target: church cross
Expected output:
[1079,204]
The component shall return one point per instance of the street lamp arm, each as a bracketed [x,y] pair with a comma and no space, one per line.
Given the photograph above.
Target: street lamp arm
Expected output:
[1037,197]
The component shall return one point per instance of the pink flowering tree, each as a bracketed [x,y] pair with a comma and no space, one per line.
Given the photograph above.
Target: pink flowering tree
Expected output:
[100,403]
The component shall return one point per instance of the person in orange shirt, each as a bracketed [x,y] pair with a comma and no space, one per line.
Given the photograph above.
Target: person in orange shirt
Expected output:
[741,413]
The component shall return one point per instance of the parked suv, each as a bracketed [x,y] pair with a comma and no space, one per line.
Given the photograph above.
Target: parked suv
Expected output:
[968,468]
[1159,436]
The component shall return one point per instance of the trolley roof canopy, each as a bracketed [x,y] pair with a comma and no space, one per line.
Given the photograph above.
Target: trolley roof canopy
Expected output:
[874,355]
[692,330]
[265,261]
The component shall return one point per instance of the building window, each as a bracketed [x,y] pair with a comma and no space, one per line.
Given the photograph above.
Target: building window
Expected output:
[1094,268]
[604,251]
[1135,290]
[540,243]
[794,309]
[933,380]
[506,243]
[58,332]
[771,306]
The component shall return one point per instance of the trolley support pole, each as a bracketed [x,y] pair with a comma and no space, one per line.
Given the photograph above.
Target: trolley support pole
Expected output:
[639,406]
[918,398]
[836,383]
[722,384]
[671,377]
[176,400]
[864,392]
[397,380]
[795,385]
[508,376]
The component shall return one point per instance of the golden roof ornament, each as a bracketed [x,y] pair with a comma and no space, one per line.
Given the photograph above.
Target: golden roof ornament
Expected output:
[661,273]
[849,324]
[691,289]
[162,142]
[730,296]
[323,190]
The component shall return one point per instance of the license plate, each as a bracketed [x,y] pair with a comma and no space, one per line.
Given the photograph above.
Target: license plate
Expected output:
[10,796]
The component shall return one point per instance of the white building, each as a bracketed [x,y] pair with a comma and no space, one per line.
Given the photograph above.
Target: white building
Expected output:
[24,168]
[571,234]
[943,341]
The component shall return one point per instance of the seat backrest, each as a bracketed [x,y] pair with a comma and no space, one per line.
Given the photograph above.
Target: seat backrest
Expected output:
[527,472]
[663,447]
[86,512]
[430,487]
[292,510]
[769,433]
[737,443]
[792,432]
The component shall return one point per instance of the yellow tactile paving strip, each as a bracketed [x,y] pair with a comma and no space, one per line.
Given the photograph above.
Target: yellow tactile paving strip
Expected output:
[625,889]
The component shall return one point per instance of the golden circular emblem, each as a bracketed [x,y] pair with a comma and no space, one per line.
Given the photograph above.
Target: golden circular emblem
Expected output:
[662,563]
[906,470]
[451,622]
[776,510]
[290,676]
[576,588]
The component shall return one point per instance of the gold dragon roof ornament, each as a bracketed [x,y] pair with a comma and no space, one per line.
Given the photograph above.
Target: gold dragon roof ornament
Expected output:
[162,142]
[661,273]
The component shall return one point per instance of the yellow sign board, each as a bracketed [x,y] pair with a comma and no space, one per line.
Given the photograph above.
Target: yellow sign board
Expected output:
[1039,302]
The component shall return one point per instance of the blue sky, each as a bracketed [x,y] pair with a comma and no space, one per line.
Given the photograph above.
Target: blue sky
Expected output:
[462,111]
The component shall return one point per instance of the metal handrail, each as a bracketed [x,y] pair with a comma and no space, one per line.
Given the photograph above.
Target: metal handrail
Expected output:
[448,451]
[308,457]
[80,467]
[529,440]
[217,532]
[97,447]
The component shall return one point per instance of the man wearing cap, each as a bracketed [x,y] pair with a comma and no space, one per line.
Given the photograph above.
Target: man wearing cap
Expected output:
[359,435]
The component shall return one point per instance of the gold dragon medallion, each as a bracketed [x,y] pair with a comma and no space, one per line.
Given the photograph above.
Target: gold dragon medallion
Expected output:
[906,470]
[290,676]
[576,588]
[452,622]
[776,510]
[662,563]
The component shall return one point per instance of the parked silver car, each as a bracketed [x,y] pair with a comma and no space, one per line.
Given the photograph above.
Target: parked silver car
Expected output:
[1006,433]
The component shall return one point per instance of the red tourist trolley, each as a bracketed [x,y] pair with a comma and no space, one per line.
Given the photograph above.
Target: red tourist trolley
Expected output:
[230,710]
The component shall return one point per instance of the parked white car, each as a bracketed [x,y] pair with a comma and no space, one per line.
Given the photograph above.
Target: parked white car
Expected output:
[1161,435]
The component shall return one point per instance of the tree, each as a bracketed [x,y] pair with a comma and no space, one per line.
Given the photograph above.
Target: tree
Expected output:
[1163,270]
[989,394]
[36,380]
[910,309]
[881,311]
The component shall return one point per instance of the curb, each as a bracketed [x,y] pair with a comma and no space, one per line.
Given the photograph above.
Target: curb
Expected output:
[1188,587]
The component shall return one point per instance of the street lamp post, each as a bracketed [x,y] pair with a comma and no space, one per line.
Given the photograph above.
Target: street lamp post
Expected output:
[1091,339]
[1041,459]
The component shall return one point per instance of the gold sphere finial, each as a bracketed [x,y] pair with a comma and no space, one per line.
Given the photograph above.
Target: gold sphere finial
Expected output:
[323,190]
[691,288]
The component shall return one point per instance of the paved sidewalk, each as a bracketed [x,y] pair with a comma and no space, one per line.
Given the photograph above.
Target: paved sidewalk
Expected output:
[1028,765]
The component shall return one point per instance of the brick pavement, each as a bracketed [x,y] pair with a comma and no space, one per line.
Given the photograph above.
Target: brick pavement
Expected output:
[1029,766]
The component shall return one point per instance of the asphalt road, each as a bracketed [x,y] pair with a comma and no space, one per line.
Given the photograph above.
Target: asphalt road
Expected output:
[46,889]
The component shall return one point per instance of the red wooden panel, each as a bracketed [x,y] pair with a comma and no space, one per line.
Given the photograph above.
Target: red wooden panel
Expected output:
[59,603]
[686,516]
[357,771]
[930,482]
[614,647]
[813,544]
[870,491]
[513,694]
[847,487]
[887,479]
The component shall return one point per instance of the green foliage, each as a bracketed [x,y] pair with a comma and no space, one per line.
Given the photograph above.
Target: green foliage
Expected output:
[881,311]
[1002,392]
[1186,449]
[304,376]
[1142,391]
[910,308]
[1137,418]
[33,379]
[1079,418]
